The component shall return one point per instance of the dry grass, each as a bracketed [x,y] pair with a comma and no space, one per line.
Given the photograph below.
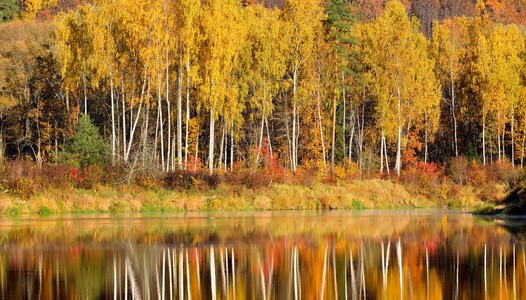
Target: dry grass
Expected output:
[355,194]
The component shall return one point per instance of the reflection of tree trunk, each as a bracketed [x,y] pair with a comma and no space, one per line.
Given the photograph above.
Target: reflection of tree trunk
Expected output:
[262,279]
[189,290]
[427,273]
[353,277]
[500,272]
[385,264]
[115,292]
[457,267]
[335,279]
[198,270]
[233,274]
[324,275]
[297,291]
[362,273]
[163,284]
[345,284]
[181,275]
[212,273]
[400,268]
[485,272]
[222,266]
[514,275]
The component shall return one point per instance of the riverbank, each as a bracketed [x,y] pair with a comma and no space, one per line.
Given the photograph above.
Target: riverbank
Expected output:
[356,194]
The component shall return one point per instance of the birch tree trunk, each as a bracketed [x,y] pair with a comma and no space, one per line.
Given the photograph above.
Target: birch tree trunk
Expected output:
[453,107]
[179,115]
[232,147]
[344,113]
[333,133]
[113,135]
[321,126]
[483,138]
[187,113]
[523,142]
[294,150]
[211,143]
[123,121]
[161,126]
[513,137]
[399,142]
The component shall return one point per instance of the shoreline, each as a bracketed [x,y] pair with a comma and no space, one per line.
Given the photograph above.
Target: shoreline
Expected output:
[352,195]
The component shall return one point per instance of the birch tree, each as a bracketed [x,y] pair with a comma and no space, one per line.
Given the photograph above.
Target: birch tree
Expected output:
[304,22]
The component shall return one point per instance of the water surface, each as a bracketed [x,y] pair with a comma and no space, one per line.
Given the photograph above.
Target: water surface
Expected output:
[391,254]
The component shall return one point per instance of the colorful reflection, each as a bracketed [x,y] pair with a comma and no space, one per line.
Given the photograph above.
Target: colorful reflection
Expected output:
[342,255]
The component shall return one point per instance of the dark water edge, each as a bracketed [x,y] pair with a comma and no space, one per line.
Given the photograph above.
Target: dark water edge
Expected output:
[374,254]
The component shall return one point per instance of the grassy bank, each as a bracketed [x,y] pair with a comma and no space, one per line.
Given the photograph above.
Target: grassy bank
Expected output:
[357,194]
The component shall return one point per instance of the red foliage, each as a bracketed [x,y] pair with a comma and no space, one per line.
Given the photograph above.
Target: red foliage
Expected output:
[194,164]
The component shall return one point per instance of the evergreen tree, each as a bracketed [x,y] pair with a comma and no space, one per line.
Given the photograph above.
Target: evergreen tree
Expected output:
[88,147]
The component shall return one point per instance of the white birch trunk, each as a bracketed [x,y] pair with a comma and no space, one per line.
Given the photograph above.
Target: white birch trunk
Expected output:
[452,86]
[113,135]
[187,113]
[483,138]
[169,154]
[161,126]
[294,108]
[179,114]
[211,142]
[399,142]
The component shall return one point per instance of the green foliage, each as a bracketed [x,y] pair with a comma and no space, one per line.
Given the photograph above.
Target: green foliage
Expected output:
[8,10]
[88,148]
[339,24]
[357,204]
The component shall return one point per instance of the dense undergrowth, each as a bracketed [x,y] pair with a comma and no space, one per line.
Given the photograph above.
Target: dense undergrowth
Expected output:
[62,188]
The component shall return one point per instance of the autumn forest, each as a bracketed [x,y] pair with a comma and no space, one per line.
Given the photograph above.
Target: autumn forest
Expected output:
[364,87]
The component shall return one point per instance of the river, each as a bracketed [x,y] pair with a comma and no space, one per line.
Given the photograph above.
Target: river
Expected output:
[387,254]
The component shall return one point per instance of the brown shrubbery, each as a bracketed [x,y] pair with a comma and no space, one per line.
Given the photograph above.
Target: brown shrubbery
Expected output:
[462,183]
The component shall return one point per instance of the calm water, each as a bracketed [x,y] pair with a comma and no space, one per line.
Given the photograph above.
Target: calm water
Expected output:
[368,254]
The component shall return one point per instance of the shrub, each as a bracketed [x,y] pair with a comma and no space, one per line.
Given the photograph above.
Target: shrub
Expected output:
[506,173]
[22,178]
[478,175]
[458,170]
[184,180]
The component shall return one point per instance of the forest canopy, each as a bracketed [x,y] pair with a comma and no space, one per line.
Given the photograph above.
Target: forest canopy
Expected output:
[371,86]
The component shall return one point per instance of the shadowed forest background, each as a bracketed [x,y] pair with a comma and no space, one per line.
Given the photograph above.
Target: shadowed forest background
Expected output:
[261,92]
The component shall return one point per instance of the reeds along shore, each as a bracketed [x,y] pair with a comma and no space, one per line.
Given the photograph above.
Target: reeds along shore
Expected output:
[61,189]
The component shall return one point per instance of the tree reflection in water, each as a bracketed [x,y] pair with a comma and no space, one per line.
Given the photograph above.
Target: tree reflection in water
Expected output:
[263,256]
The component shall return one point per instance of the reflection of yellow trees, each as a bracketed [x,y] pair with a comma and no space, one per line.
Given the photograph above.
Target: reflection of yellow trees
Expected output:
[258,259]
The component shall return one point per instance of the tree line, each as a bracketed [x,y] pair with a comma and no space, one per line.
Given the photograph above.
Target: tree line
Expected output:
[220,84]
